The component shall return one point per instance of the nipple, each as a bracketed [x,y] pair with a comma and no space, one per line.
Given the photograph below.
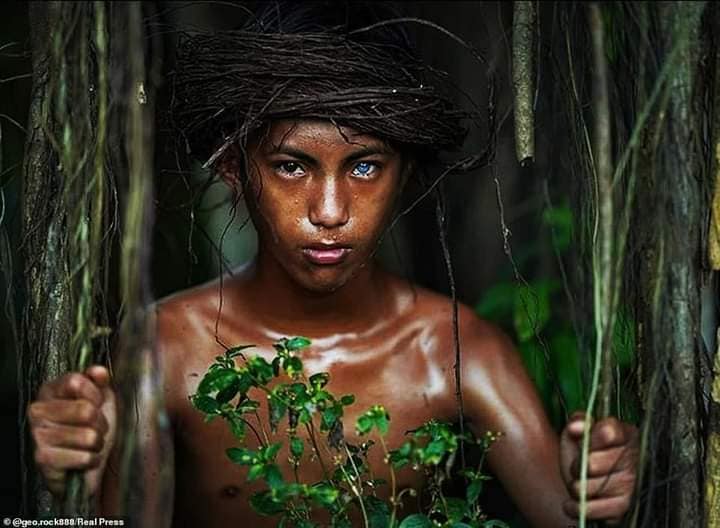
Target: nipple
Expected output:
[230,492]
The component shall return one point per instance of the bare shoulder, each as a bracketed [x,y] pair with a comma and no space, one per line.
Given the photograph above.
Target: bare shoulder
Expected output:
[185,314]
[481,342]
[185,323]
[489,364]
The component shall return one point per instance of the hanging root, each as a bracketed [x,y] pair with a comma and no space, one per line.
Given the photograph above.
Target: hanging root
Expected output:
[523,78]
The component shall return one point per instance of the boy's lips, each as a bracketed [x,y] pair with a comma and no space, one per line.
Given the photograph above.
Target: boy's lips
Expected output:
[326,254]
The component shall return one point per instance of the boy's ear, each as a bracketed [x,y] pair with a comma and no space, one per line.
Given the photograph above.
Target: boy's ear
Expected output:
[228,168]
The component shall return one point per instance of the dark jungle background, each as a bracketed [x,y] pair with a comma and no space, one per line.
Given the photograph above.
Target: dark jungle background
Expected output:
[520,238]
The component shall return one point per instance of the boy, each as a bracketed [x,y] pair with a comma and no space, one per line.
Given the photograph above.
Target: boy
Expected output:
[322,184]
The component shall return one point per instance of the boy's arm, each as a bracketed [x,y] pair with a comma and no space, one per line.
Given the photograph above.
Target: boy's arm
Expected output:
[540,472]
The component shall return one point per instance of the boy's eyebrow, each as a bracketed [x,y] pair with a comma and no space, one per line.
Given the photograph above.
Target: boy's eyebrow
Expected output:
[369,151]
[296,153]
[304,156]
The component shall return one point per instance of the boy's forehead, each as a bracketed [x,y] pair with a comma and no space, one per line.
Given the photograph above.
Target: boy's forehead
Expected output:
[296,133]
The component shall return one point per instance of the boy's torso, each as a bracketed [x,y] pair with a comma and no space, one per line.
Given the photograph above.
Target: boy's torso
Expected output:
[404,362]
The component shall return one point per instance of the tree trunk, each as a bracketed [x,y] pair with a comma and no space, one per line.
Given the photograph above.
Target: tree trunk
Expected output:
[46,327]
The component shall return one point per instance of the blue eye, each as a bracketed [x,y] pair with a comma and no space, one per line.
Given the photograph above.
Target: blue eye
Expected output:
[364,169]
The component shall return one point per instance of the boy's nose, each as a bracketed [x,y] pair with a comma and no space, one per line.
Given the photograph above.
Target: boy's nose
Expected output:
[330,207]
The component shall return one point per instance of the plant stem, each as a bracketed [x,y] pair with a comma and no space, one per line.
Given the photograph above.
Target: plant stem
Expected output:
[353,487]
[311,433]
[393,483]
[262,428]
[602,249]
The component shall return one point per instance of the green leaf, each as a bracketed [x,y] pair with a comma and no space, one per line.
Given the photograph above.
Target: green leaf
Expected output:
[532,308]
[263,503]
[297,446]
[293,366]
[323,494]
[321,396]
[495,524]
[256,471]
[382,422]
[498,303]
[401,457]
[560,220]
[205,404]
[329,417]
[288,491]
[565,361]
[473,491]
[364,424]
[276,410]
[237,427]
[534,360]
[297,343]
[217,380]
[348,399]
[270,452]
[229,392]
[273,477]
[377,417]
[246,382]
[434,452]
[304,417]
[416,520]
[378,512]
[456,509]
[298,391]
[242,456]
[260,369]
[319,380]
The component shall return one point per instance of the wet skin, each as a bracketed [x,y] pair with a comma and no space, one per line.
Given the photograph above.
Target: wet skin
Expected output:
[322,203]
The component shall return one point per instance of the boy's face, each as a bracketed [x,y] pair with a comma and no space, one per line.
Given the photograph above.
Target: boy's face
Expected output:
[321,196]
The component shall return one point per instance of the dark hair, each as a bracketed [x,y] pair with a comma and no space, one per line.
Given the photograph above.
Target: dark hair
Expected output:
[340,61]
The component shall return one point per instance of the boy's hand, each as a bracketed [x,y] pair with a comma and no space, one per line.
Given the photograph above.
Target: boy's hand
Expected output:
[73,425]
[612,467]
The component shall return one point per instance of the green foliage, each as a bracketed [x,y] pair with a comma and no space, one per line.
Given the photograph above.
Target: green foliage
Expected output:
[534,312]
[305,403]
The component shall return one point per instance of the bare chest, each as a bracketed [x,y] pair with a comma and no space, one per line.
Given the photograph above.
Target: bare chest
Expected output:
[211,489]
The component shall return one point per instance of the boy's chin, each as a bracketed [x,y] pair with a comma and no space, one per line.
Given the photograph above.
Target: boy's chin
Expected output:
[324,283]
[323,287]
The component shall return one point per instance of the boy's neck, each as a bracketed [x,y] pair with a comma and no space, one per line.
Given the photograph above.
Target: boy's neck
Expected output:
[284,306]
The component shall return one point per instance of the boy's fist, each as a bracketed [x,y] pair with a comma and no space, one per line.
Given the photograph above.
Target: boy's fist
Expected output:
[73,425]
[612,467]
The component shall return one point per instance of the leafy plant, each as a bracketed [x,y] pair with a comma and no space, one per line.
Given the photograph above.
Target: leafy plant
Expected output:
[534,311]
[305,404]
